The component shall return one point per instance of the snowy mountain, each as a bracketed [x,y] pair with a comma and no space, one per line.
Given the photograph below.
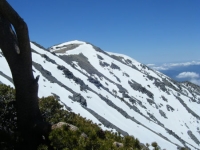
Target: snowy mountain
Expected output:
[118,93]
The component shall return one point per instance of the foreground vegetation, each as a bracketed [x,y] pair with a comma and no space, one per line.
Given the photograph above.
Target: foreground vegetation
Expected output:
[77,133]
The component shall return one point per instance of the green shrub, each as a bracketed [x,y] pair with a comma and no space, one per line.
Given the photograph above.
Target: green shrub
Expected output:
[8,124]
[155,145]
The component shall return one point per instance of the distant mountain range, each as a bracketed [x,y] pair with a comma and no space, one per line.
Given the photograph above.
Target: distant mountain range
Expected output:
[118,93]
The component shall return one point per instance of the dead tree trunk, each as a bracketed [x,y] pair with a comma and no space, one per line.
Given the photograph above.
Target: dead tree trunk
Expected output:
[15,46]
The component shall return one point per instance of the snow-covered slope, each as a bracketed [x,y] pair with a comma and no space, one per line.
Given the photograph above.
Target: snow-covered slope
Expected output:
[118,93]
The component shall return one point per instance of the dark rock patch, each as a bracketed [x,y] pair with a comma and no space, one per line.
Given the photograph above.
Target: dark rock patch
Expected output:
[103,64]
[117,78]
[193,100]
[125,95]
[118,58]
[133,101]
[79,98]
[186,125]
[114,66]
[141,105]
[128,61]
[151,77]
[60,67]
[82,62]
[134,67]
[193,137]
[164,99]
[138,87]
[169,108]
[143,66]
[121,89]
[187,108]
[68,74]
[46,74]
[64,48]
[160,85]
[101,58]
[48,59]
[154,118]
[167,83]
[98,49]
[162,114]
[95,82]
[176,136]
[125,74]
[151,102]
[133,107]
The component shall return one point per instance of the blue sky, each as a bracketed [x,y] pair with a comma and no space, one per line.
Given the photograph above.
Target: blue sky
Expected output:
[150,31]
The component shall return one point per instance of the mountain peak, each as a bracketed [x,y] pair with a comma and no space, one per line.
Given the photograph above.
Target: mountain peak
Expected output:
[66,46]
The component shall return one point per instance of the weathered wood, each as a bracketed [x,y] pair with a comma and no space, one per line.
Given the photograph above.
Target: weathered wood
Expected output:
[15,46]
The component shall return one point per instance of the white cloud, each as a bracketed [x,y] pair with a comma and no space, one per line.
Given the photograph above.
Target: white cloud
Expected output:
[188,75]
[160,68]
[150,65]
[168,66]
[184,64]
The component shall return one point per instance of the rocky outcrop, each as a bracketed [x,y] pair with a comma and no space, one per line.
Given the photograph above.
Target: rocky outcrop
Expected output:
[160,85]
[193,137]
[162,114]
[117,78]
[118,145]
[114,66]
[46,74]
[187,108]
[95,82]
[64,48]
[155,119]
[169,108]
[99,57]
[138,87]
[71,127]
[61,124]
[151,102]
[125,74]
[141,105]
[103,64]
[48,59]
[70,75]
[79,98]
[121,89]
[164,99]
